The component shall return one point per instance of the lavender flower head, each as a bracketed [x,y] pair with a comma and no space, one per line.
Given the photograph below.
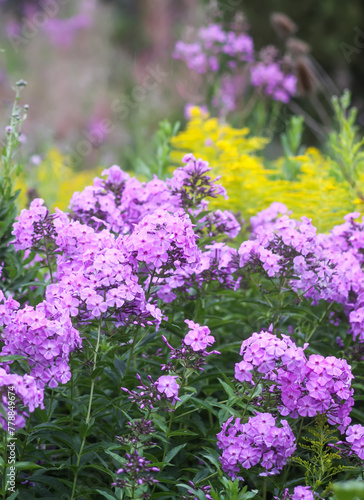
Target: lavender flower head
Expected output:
[259,442]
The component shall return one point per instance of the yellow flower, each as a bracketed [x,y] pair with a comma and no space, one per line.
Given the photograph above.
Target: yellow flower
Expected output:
[304,183]
[54,180]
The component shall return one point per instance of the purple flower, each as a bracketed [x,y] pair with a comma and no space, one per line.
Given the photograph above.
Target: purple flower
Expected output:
[242,371]
[166,384]
[302,493]
[198,337]
[270,78]
[355,436]
[259,441]
[306,387]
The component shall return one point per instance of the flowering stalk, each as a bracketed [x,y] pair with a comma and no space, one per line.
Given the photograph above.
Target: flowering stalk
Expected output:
[88,416]
[13,131]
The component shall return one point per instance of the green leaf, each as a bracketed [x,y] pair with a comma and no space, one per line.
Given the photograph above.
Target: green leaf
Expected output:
[11,358]
[107,495]
[116,457]
[228,389]
[204,404]
[50,481]
[120,367]
[173,452]
[27,466]
[13,495]
[98,467]
[160,422]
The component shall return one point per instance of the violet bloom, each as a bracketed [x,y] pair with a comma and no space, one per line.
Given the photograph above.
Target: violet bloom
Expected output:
[198,338]
[270,78]
[302,493]
[16,389]
[151,393]
[242,371]
[355,436]
[214,48]
[167,385]
[306,387]
[259,441]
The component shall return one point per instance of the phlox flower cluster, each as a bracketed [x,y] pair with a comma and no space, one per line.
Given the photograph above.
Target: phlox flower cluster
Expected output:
[347,241]
[33,226]
[15,389]
[163,240]
[259,442]
[212,45]
[120,202]
[41,334]
[321,267]
[266,219]
[198,337]
[270,79]
[216,50]
[218,263]
[305,387]
[193,352]
[192,186]
[275,248]
[139,432]
[355,438]
[221,222]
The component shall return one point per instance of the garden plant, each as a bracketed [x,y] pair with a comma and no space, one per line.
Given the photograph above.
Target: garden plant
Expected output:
[199,334]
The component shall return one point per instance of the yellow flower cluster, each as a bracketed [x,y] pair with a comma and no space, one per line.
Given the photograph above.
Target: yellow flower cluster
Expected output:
[54,180]
[252,185]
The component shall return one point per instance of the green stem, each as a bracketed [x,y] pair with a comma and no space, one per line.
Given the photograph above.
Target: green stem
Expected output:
[319,321]
[248,108]
[250,398]
[165,449]
[265,489]
[206,478]
[5,459]
[133,345]
[50,405]
[88,416]
[288,468]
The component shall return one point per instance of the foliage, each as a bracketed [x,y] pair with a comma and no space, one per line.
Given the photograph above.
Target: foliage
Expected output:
[322,461]
[346,151]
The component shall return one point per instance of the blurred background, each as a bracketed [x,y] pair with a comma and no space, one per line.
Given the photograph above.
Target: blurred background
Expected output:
[101,76]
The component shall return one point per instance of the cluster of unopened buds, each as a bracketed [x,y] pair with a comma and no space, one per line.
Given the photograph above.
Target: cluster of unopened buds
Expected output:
[139,433]
[136,472]
[192,496]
